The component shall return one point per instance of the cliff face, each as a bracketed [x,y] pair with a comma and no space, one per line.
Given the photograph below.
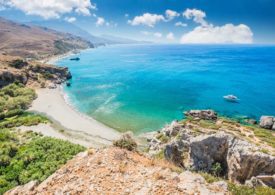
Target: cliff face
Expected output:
[242,154]
[34,74]
[36,42]
[118,171]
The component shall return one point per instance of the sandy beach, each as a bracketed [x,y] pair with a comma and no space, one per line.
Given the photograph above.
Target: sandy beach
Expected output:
[68,123]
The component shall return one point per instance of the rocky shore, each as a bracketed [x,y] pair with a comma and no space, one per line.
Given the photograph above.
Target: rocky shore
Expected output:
[31,73]
[227,149]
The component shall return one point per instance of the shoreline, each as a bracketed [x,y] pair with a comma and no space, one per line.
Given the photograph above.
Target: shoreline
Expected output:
[69,122]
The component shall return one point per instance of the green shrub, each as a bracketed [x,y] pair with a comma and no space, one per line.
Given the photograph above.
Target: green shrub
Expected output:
[26,119]
[160,155]
[126,142]
[35,160]
[210,178]
[15,97]
[18,63]
[47,75]
[245,190]
[163,138]
[217,169]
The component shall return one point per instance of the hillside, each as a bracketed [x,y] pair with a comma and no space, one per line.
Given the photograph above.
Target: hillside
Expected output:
[118,171]
[35,42]
[65,27]
[30,73]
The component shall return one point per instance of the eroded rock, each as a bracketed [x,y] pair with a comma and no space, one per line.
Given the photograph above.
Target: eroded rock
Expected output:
[267,122]
[238,159]
[202,114]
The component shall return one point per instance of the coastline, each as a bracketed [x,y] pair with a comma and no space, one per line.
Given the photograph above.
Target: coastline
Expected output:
[68,122]
[54,59]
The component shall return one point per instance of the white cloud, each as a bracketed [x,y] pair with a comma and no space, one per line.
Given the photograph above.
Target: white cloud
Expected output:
[50,8]
[219,34]
[180,24]
[70,19]
[100,21]
[146,19]
[145,32]
[158,34]
[207,33]
[197,15]
[170,14]
[170,36]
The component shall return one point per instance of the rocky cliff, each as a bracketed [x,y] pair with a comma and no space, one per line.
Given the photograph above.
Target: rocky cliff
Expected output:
[204,142]
[32,73]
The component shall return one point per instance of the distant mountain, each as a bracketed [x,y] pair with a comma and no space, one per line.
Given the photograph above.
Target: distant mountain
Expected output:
[120,40]
[66,27]
[35,42]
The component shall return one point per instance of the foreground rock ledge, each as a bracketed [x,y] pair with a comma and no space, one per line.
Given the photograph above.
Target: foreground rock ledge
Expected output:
[118,171]
[240,160]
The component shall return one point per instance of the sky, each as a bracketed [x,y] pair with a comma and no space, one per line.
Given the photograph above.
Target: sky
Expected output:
[161,21]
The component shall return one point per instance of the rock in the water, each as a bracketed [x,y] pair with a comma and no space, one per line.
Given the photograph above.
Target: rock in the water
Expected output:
[267,122]
[251,121]
[202,114]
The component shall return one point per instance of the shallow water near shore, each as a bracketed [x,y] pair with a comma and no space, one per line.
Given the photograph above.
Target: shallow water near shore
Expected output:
[143,87]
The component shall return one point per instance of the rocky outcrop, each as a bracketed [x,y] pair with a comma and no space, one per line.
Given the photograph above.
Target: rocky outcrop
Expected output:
[35,74]
[118,171]
[267,122]
[7,77]
[238,159]
[201,114]
[262,180]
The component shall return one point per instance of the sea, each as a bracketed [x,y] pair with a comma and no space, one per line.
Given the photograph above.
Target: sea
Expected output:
[141,88]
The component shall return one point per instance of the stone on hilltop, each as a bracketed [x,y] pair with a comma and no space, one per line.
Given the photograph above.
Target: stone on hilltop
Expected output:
[267,122]
[202,114]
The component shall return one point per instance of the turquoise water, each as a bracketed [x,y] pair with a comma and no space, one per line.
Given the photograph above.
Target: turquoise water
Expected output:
[142,87]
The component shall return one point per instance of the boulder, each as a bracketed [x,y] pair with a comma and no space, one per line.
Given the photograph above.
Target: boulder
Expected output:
[238,159]
[244,161]
[202,114]
[261,180]
[207,150]
[251,121]
[172,129]
[174,152]
[267,122]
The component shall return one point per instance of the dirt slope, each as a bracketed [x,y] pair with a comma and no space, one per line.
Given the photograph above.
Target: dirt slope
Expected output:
[118,171]
[35,42]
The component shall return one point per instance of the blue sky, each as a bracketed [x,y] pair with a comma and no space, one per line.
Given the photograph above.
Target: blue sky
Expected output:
[253,21]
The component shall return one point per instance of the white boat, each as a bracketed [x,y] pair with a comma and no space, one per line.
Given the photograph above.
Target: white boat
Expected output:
[231,98]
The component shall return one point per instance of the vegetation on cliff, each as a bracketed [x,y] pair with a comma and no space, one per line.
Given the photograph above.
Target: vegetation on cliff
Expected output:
[26,156]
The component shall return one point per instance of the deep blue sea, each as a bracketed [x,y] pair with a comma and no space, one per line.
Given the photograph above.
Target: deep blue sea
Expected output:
[143,87]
